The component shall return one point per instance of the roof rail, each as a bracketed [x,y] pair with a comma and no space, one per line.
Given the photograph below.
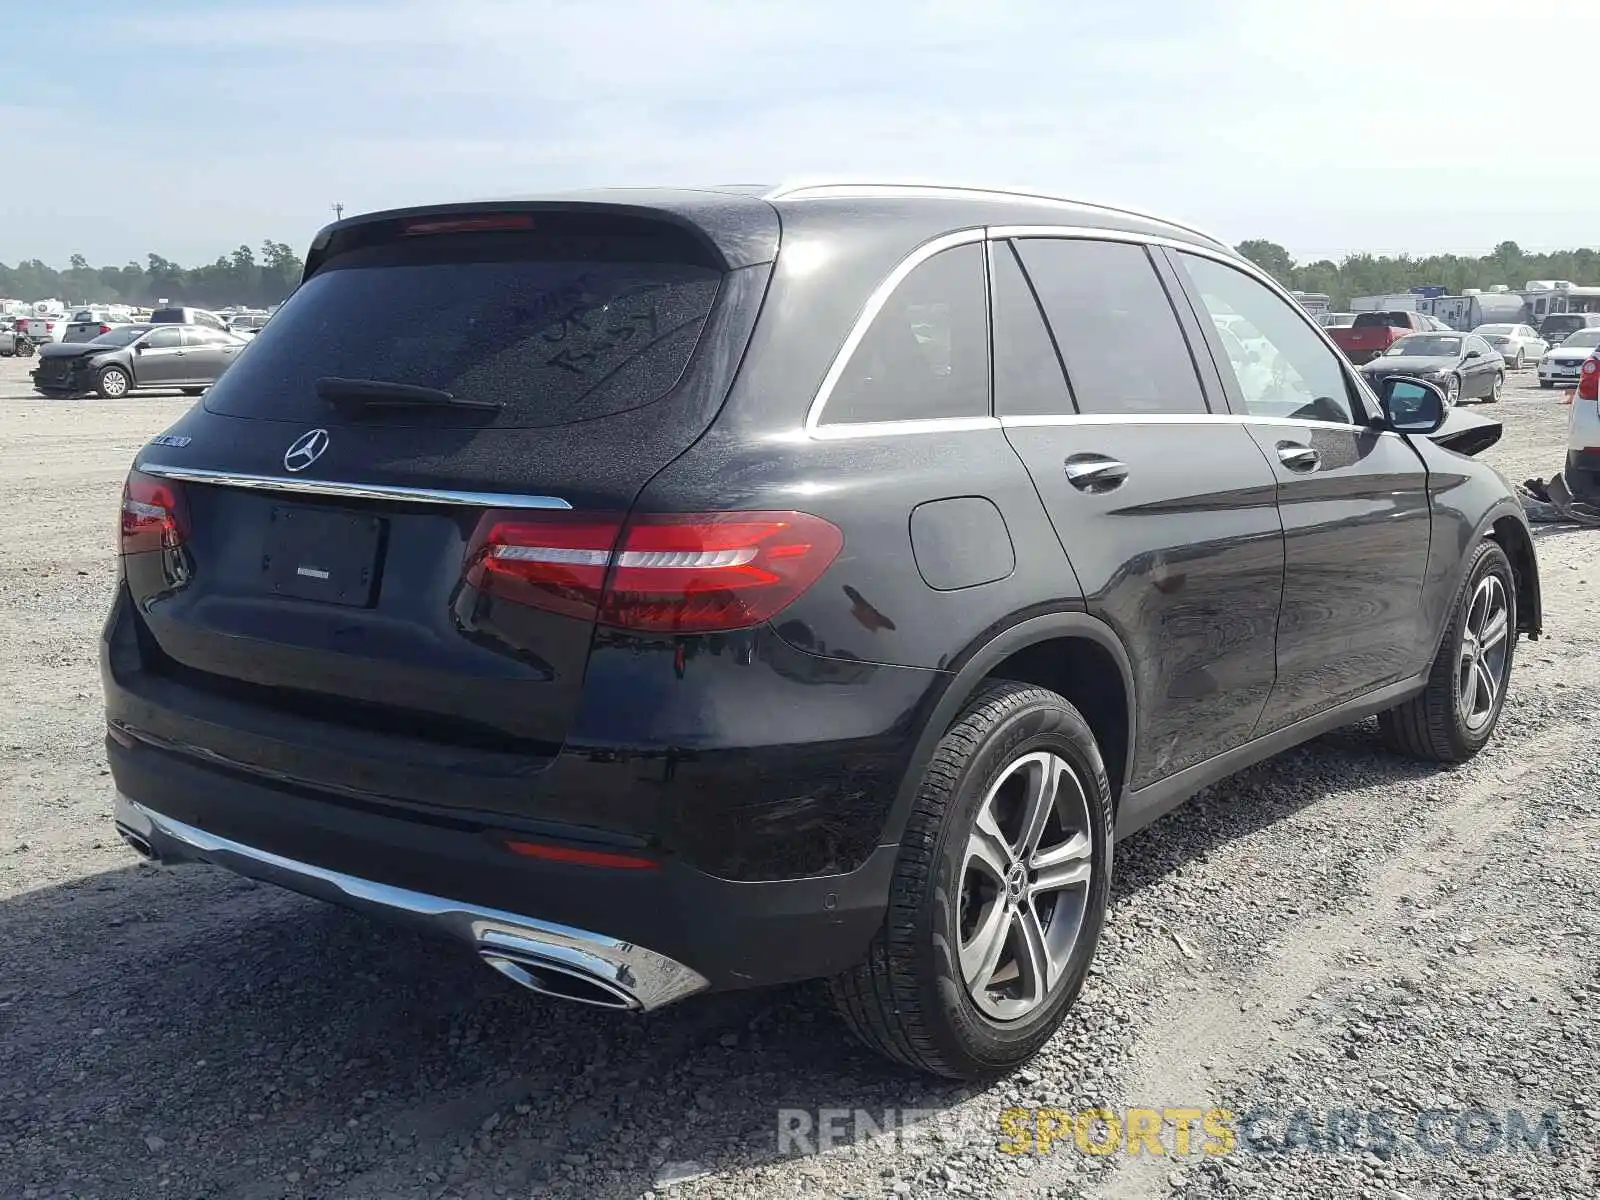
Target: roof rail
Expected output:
[827,190]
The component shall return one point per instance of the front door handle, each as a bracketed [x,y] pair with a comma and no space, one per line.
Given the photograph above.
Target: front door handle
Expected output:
[1297,457]
[1095,472]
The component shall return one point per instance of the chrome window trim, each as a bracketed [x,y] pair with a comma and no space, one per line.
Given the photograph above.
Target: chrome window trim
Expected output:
[869,312]
[815,428]
[1183,419]
[349,491]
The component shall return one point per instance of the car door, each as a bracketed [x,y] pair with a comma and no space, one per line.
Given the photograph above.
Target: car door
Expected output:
[1165,508]
[202,354]
[1353,501]
[158,359]
[1481,363]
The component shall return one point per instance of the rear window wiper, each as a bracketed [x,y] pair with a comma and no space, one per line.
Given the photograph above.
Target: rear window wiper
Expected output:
[380,393]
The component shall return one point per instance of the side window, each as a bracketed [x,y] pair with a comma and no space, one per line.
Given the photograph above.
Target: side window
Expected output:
[1113,323]
[926,353]
[1283,368]
[1027,373]
[1481,346]
[194,337]
[161,339]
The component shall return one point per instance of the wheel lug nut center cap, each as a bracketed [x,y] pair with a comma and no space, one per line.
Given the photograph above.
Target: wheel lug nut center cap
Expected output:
[1015,882]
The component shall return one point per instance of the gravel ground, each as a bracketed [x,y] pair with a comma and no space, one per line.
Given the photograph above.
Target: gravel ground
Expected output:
[1331,930]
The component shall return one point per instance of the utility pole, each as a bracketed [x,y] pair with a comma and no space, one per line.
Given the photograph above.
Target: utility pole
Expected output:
[338,212]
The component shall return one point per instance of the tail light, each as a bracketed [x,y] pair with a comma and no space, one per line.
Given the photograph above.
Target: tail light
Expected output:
[1589,380]
[105,329]
[153,514]
[693,573]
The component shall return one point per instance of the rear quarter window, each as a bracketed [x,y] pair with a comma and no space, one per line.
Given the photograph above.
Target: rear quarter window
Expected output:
[554,329]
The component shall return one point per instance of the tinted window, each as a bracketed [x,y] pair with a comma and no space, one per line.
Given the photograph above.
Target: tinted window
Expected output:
[167,316]
[1123,347]
[1027,374]
[1398,320]
[1282,367]
[162,338]
[118,337]
[926,353]
[1426,345]
[554,328]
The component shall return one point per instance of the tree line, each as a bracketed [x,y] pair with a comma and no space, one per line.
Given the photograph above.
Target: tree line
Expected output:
[245,278]
[1372,275]
[241,278]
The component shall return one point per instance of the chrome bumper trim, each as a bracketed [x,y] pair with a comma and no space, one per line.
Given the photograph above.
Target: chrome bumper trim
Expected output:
[650,979]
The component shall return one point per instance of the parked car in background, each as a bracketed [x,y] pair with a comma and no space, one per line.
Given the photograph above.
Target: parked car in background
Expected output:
[1562,363]
[89,323]
[1462,364]
[1517,344]
[41,330]
[134,357]
[8,339]
[521,635]
[1336,320]
[187,316]
[1372,333]
[1557,326]
[246,325]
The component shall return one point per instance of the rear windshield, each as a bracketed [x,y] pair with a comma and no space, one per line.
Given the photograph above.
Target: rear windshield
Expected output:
[168,316]
[1368,320]
[554,329]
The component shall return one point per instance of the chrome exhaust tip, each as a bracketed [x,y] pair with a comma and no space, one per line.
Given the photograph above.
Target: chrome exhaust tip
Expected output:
[138,843]
[554,979]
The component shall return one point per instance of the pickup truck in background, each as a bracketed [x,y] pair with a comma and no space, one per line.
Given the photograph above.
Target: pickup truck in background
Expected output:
[44,329]
[1374,332]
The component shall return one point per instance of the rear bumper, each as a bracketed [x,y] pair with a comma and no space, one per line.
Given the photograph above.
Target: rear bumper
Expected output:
[1583,475]
[633,975]
[657,934]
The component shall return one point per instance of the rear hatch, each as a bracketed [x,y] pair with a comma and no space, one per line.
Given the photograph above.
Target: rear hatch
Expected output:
[435,387]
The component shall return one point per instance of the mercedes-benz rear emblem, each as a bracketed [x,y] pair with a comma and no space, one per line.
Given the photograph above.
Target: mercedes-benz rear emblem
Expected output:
[305,450]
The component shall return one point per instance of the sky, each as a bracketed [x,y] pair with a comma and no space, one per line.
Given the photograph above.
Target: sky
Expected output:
[1331,126]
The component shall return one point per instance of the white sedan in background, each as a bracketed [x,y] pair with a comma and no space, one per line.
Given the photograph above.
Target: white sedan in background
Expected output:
[1562,364]
[1518,344]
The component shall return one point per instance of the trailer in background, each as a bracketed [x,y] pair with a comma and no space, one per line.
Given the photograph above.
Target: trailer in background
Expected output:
[1473,308]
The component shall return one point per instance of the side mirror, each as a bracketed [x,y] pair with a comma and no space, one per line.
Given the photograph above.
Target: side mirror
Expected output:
[1412,406]
[1474,353]
[138,347]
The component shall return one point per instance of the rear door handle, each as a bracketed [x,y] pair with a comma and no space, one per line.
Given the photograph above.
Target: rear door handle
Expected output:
[1297,457]
[1095,472]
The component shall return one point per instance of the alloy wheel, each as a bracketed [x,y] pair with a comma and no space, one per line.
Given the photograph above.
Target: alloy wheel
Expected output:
[1024,885]
[1485,653]
[115,383]
[1452,391]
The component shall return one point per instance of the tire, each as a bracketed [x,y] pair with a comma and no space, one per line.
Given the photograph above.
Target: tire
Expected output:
[1495,388]
[108,384]
[1516,363]
[1434,725]
[192,391]
[909,1000]
[1452,391]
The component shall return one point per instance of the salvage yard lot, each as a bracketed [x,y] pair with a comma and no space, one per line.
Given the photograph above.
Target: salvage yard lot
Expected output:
[1334,929]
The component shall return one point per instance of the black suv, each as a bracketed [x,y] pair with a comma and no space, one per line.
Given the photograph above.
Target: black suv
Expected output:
[663,591]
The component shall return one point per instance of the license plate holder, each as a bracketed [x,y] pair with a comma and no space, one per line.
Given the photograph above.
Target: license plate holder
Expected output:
[322,554]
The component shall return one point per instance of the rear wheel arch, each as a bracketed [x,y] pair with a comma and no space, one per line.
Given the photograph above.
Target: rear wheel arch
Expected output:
[1071,653]
[1517,542]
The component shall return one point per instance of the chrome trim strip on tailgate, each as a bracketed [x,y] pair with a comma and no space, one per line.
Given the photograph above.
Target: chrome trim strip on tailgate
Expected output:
[349,491]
